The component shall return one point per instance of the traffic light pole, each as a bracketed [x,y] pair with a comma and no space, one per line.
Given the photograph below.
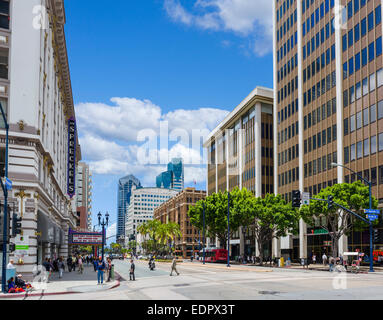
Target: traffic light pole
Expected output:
[5,191]
[363,219]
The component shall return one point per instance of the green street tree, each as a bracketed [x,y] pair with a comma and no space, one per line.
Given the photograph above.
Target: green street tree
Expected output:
[274,218]
[216,213]
[336,222]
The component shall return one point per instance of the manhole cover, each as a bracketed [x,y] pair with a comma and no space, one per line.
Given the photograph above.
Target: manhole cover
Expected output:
[182,285]
[269,292]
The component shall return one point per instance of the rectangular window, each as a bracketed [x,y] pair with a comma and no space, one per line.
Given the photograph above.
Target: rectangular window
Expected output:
[363,27]
[346,155]
[352,152]
[380,141]
[357,62]
[373,113]
[352,123]
[364,57]
[365,86]
[359,150]
[380,109]
[366,118]
[373,144]
[370,18]
[379,77]
[357,33]
[371,51]
[372,82]
[366,147]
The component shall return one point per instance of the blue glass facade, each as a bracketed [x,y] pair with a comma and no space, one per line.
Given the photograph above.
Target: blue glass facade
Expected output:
[125,186]
[173,178]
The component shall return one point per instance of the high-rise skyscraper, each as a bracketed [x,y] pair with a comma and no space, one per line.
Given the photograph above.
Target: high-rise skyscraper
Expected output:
[328,82]
[173,178]
[125,186]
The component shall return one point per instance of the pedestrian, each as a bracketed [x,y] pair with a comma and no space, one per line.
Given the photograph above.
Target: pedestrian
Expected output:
[314,259]
[80,266]
[10,264]
[100,270]
[73,263]
[174,267]
[191,258]
[331,264]
[95,265]
[69,263]
[132,269]
[109,268]
[324,259]
[60,266]
[47,266]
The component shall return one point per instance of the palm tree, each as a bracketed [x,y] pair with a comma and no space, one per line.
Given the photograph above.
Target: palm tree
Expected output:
[173,232]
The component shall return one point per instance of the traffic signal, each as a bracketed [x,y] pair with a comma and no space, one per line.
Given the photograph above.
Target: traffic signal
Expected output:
[376,236]
[2,223]
[296,199]
[12,247]
[330,202]
[16,225]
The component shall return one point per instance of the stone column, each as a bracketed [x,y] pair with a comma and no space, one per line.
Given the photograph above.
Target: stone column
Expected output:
[64,247]
[276,247]
[241,242]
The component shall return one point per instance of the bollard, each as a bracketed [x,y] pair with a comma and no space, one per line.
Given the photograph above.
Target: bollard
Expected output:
[112,272]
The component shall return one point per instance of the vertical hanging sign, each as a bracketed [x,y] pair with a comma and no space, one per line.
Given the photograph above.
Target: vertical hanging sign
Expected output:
[71,157]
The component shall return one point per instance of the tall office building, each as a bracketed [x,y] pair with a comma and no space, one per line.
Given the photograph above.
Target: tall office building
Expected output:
[240,154]
[36,94]
[173,178]
[176,210]
[125,186]
[328,82]
[84,197]
[143,202]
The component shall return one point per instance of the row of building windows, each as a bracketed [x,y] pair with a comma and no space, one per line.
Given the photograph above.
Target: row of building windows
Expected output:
[267,188]
[320,63]
[287,46]
[288,133]
[361,89]
[267,131]
[363,148]
[288,177]
[368,174]
[267,152]
[288,111]
[289,23]
[316,41]
[353,7]
[360,29]
[354,63]
[362,118]
[287,68]
[288,89]
[320,139]
[318,187]
[285,6]
[319,114]
[288,155]
[323,86]
[324,7]
[320,165]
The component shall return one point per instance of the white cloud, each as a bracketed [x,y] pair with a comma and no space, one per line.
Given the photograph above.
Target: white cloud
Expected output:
[247,18]
[111,230]
[108,137]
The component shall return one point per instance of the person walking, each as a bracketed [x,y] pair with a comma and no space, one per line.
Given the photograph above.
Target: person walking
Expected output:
[331,264]
[314,259]
[73,263]
[80,265]
[324,259]
[100,270]
[69,263]
[109,268]
[132,269]
[60,266]
[10,264]
[174,267]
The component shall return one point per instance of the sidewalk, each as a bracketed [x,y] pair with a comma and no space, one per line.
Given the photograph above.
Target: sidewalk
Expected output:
[71,282]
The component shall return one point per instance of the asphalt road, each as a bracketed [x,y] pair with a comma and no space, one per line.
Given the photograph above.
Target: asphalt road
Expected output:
[218,282]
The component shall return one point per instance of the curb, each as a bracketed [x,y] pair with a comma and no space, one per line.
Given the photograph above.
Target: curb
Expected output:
[23,295]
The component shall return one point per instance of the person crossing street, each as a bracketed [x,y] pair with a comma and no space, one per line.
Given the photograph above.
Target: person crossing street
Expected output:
[174,267]
[132,269]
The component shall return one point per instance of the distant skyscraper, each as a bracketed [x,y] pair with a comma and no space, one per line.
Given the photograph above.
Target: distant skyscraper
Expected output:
[173,178]
[125,186]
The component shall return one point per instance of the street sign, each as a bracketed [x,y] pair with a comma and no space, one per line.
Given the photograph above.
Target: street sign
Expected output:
[372,217]
[306,198]
[8,184]
[372,211]
[22,246]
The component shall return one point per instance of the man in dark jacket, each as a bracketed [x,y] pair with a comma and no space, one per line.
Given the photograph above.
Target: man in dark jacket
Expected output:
[100,270]
[132,269]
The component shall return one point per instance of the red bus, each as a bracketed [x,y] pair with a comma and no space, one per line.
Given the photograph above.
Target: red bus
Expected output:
[214,255]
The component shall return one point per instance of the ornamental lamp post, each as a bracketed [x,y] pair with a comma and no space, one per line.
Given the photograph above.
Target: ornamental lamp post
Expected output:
[103,223]
[333,164]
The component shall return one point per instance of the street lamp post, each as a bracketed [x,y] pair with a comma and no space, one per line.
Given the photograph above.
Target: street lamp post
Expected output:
[203,233]
[5,191]
[103,224]
[228,229]
[370,223]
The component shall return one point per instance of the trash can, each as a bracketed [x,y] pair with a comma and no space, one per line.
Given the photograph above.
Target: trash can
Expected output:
[112,272]
[282,262]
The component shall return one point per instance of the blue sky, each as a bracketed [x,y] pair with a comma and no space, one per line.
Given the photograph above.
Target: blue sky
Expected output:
[184,62]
